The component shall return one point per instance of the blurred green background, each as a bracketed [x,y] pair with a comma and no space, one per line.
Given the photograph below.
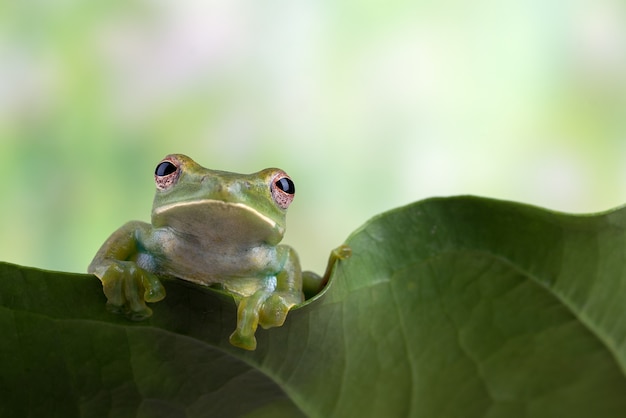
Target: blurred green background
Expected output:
[368,105]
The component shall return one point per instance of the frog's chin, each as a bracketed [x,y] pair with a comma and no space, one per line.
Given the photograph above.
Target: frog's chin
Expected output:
[223,220]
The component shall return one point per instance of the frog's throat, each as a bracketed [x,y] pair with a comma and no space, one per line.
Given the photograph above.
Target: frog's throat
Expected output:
[162,209]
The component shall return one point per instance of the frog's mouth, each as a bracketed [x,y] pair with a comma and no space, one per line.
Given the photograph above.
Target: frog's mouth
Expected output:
[224,221]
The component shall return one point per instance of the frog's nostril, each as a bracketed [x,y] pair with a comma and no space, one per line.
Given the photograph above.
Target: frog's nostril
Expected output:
[231,189]
[210,182]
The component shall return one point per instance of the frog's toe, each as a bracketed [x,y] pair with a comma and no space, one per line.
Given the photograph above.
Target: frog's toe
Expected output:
[273,318]
[115,308]
[274,312]
[342,252]
[154,290]
[140,314]
[128,287]
[137,313]
[247,342]
[113,287]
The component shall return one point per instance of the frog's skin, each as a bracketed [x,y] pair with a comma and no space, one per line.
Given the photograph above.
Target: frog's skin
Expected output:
[209,227]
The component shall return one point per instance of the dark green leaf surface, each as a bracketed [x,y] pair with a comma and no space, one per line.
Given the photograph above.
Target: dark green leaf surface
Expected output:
[448,307]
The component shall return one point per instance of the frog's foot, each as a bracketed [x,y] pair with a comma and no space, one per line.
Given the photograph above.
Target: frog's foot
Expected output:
[247,342]
[312,283]
[128,288]
[265,308]
[275,308]
[247,322]
[340,253]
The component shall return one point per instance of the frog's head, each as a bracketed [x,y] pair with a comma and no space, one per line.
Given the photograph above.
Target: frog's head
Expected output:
[231,208]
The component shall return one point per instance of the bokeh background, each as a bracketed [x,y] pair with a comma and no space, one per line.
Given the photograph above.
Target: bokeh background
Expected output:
[367,104]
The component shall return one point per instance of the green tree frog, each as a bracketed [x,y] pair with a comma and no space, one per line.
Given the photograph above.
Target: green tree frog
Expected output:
[211,227]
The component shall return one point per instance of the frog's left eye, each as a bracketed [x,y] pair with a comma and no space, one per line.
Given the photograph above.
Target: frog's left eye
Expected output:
[283,190]
[166,174]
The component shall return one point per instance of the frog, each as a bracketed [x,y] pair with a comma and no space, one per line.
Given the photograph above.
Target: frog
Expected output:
[213,228]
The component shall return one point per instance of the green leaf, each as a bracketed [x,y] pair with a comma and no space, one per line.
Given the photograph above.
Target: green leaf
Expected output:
[448,307]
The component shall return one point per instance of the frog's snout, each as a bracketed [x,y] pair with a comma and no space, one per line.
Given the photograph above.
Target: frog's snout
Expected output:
[211,183]
[218,188]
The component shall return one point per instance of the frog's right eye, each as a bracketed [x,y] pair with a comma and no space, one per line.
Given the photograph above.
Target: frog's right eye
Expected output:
[165,168]
[166,174]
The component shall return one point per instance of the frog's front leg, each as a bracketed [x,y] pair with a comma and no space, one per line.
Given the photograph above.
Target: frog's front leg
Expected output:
[126,285]
[268,306]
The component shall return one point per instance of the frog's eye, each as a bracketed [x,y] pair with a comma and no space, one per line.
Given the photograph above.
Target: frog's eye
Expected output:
[283,190]
[165,168]
[165,174]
